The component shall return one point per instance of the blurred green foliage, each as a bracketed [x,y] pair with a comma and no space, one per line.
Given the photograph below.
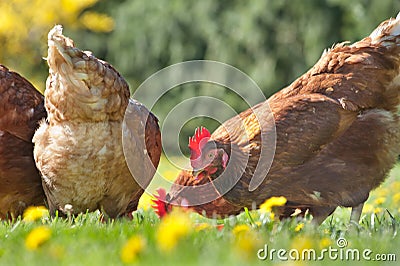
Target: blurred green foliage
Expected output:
[272,41]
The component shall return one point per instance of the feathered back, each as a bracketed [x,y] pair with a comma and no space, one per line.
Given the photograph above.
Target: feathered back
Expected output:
[387,33]
[359,76]
[21,105]
[81,87]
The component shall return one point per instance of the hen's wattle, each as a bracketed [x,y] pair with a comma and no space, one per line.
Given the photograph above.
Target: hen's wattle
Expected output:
[160,206]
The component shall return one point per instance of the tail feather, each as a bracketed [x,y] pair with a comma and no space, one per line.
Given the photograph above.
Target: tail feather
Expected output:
[387,33]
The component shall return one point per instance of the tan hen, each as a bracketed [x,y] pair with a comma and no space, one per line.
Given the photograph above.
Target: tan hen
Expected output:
[79,149]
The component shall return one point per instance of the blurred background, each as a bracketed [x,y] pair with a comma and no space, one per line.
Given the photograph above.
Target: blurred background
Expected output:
[273,42]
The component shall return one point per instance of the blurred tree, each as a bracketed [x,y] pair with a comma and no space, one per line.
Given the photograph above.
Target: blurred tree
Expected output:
[272,41]
[24,25]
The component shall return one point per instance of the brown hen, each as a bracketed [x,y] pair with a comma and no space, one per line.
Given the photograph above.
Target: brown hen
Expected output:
[21,109]
[80,149]
[337,134]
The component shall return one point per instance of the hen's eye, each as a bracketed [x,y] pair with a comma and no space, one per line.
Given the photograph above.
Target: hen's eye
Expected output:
[210,155]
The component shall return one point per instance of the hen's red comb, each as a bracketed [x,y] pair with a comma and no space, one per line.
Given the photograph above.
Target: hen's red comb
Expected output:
[196,143]
[160,202]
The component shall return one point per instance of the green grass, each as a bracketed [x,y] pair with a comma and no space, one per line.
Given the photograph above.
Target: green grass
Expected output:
[86,240]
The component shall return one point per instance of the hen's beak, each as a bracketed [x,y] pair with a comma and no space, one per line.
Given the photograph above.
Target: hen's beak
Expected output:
[197,172]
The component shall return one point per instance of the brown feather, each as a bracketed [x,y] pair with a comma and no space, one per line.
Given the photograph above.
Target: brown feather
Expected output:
[21,108]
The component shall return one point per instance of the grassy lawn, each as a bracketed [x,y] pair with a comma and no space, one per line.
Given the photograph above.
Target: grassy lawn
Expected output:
[189,239]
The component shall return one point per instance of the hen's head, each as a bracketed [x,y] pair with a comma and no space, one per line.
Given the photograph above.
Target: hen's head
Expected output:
[196,194]
[187,192]
[205,155]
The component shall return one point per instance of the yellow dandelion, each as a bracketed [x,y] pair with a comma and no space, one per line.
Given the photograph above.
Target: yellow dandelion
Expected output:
[382,191]
[97,22]
[378,210]
[34,213]
[368,208]
[170,174]
[325,242]
[246,244]
[73,6]
[132,249]
[145,201]
[380,200]
[272,202]
[37,237]
[396,198]
[272,215]
[172,228]
[395,186]
[245,240]
[298,227]
[202,226]
[241,228]
[301,243]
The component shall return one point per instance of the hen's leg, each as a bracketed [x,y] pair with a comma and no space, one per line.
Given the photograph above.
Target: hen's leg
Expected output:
[356,213]
[321,213]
